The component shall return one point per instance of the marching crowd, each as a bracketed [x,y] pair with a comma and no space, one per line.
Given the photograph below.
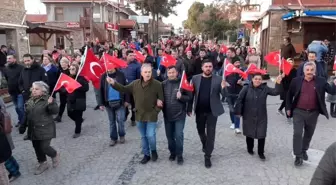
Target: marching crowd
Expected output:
[201,77]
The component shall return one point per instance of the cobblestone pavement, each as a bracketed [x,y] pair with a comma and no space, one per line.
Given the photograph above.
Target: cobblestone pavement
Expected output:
[88,160]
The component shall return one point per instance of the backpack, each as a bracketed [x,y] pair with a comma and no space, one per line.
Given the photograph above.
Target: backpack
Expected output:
[5,121]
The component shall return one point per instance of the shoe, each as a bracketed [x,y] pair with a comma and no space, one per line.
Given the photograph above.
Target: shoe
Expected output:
[250,152]
[41,168]
[75,135]
[122,140]
[280,112]
[154,155]
[207,163]
[298,161]
[289,121]
[145,159]
[180,160]
[96,108]
[113,142]
[304,156]
[133,123]
[237,131]
[58,119]
[232,126]
[13,178]
[25,137]
[172,157]
[262,157]
[55,160]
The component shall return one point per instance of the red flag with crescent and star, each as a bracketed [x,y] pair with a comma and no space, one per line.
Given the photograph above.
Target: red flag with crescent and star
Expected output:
[118,63]
[67,82]
[253,69]
[185,84]
[150,51]
[168,60]
[139,57]
[92,68]
[274,59]
[230,69]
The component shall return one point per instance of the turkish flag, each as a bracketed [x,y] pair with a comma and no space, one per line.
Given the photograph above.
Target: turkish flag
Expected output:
[118,63]
[67,82]
[223,49]
[286,67]
[150,51]
[334,67]
[185,84]
[230,69]
[139,57]
[188,48]
[132,46]
[92,68]
[69,58]
[168,60]
[273,58]
[253,69]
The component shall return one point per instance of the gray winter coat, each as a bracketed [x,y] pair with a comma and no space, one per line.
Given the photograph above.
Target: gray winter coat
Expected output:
[252,106]
[9,136]
[174,109]
[325,173]
[331,98]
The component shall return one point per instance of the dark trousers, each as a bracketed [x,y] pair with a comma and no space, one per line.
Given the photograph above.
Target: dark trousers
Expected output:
[333,109]
[250,145]
[206,128]
[132,109]
[63,102]
[77,117]
[175,136]
[282,106]
[43,148]
[303,121]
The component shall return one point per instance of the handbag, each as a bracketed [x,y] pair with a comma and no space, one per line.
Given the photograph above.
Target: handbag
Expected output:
[116,104]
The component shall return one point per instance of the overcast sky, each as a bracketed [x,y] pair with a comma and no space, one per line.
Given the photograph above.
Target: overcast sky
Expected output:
[35,7]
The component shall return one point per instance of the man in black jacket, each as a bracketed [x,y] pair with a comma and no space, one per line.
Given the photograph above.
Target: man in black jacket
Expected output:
[115,103]
[174,111]
[12,73]
[198,62]
[305,101]
[319,68]
[3,55]
[31,73]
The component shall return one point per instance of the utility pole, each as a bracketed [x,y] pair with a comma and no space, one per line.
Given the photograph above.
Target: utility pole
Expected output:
[119,34]
[91,21]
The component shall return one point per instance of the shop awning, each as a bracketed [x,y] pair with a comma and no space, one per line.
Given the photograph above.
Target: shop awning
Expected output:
[324,14]
[127,23]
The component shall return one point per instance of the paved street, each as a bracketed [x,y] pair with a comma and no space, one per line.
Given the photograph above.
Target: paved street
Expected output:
[88,160]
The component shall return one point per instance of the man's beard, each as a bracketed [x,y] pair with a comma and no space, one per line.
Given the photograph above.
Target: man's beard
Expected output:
[207,73]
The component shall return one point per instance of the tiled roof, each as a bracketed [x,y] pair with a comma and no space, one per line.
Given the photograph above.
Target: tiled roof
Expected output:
[37,18]
[69,1]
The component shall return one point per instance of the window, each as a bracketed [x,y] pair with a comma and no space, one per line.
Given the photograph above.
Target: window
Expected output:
[60,40]
[59,14]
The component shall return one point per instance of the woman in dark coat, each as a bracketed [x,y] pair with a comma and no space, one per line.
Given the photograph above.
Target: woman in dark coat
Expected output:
[63,94]
[251,105]
[76,102]
[5,153]
[286,80]
[39,112]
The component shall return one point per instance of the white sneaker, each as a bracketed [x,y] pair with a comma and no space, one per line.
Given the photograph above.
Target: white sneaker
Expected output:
[232,126]
[280,112]
[237,131]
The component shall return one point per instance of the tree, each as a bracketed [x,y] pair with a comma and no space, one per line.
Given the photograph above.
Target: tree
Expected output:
[194,12]
[157,8]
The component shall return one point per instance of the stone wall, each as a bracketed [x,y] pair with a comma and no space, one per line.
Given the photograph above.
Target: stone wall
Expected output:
[14,38]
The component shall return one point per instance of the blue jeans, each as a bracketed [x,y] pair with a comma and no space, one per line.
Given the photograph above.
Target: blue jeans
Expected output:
[116,116]
[175,136]
[19,106]
[148,136]
[234,119]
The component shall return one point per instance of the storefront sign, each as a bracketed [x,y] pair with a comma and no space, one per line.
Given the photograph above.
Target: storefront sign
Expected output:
[72,25]
[111,26]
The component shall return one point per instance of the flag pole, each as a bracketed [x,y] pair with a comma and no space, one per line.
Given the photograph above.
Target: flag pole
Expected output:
[181,81]
[83,59]
[52,93]
[104,55]
[224,67]
[280,61]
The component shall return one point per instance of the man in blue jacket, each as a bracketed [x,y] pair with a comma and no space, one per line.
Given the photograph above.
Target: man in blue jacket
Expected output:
[132,72]
[319,67]
[320,48]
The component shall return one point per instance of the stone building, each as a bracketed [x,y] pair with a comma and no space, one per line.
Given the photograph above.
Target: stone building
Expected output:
[269,21]
[12,26]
